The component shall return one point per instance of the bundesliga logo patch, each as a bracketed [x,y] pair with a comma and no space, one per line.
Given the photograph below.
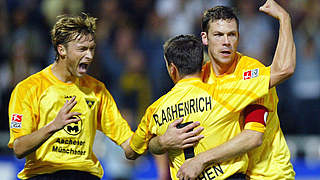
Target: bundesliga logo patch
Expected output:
[251,74]
[16,121]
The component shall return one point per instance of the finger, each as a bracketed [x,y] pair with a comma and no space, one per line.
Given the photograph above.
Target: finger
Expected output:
[72,114]
[265,6]
[176,122]
[178,173]
[187,146]
[70,105]
[193,140]
[195,132]
[65,104]
[190,126]
[72,99]
[73,120]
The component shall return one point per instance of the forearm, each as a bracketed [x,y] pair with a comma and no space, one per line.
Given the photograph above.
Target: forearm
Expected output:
[284,60]
[156,147]
[242,143]
[27,144]
[162,166]
[129,152]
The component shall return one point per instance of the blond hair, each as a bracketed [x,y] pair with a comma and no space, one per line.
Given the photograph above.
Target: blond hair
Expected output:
[69,28]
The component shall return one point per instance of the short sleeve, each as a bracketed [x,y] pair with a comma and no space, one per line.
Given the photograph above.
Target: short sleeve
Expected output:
[21,113]
[110,121]
[141,137]
[269,101]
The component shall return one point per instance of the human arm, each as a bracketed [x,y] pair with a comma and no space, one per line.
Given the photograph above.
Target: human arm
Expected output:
[250,138]
[24,145]
[162,163]
[129,152]
[240,144]
[175,138]
[284,60]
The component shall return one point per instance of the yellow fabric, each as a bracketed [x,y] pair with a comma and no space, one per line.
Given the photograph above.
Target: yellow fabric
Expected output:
[40,97]
[255,126]
[271,160]
[212,106]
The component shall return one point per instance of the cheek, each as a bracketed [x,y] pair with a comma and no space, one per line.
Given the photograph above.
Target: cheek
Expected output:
[214,47]
[235,42]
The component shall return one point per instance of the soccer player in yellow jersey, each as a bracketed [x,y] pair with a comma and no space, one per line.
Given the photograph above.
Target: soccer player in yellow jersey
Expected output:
[212,105]
[271,160]
[54,114]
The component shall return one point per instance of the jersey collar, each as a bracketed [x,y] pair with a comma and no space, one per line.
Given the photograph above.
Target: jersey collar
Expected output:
[55,79]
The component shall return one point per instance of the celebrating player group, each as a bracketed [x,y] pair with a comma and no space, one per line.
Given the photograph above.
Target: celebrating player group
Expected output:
[219,121]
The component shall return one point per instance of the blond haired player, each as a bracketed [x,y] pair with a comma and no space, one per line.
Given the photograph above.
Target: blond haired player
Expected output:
[272,159]
[212,105]
[54,114]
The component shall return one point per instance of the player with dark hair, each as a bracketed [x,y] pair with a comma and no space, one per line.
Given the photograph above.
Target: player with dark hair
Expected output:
[54,114]
[271,157]
[212,105]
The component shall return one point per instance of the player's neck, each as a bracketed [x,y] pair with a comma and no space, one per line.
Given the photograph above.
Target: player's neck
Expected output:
[221,69]
[195,75]
[61,72]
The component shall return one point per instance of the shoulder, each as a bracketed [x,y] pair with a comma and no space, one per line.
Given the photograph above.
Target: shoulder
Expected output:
[250,67]
[92,83]
[32,82]
[246,62]
[203,88]
[155,105]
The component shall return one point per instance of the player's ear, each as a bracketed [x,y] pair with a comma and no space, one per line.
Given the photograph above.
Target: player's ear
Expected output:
[174,73]
[204,38]
[62,50]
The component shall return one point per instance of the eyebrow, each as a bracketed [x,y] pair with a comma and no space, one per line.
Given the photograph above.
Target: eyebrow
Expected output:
[217,31]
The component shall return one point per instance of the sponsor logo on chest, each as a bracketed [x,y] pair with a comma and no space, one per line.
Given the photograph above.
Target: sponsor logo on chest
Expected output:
[251,74]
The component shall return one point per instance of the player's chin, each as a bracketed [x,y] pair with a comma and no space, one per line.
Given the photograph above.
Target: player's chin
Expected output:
[80,74]
[225,60]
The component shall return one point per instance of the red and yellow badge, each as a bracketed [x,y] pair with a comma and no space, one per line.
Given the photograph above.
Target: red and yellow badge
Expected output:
[250,74]
[16,121]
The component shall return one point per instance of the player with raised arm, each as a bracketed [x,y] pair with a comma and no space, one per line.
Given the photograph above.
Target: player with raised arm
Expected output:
[211,105]
[260,129]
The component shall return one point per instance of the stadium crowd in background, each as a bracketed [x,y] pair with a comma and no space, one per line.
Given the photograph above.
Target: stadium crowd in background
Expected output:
[129,55]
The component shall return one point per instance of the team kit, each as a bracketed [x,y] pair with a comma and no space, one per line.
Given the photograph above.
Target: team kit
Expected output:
[54,114]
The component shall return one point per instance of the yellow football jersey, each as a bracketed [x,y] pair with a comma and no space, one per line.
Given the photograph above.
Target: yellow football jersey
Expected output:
[212,106]
[37,100]
[272,159]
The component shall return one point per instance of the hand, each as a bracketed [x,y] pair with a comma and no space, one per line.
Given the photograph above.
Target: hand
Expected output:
[175,138]
[64,116]
[191,169]
[273,9]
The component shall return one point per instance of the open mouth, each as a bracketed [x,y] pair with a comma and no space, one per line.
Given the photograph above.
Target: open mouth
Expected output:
[226,53]
[83,67]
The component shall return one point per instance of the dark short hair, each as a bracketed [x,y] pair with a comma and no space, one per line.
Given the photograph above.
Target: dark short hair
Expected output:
[185,52]
[217,13]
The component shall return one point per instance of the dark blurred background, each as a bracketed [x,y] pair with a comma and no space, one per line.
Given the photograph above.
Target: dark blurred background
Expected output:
[129,60]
